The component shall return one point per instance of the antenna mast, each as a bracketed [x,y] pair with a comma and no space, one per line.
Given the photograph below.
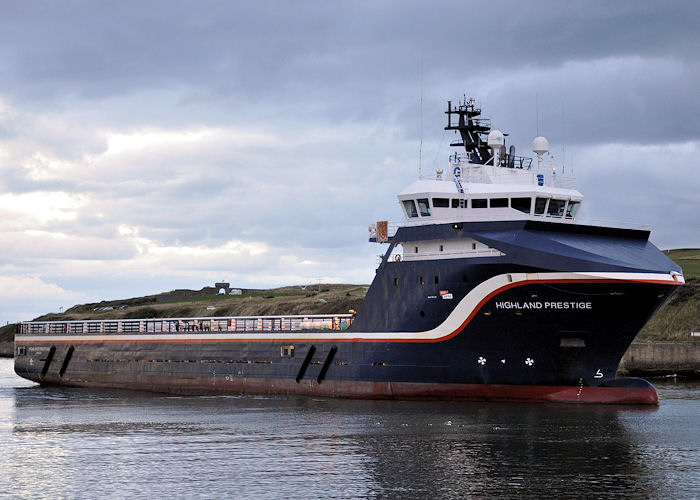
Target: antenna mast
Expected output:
[420,148]
[563,140]
[537,115]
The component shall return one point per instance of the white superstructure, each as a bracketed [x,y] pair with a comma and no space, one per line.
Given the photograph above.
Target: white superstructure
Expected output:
[473,192]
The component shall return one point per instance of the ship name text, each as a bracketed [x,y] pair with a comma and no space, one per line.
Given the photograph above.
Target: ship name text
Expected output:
[543,305]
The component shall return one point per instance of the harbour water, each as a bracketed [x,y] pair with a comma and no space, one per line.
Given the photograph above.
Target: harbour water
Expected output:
[85,443]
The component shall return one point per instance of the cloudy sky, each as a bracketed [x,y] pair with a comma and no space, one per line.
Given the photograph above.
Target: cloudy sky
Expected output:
[148,146]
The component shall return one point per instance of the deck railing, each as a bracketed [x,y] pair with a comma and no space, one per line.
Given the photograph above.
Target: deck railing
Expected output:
[290,323]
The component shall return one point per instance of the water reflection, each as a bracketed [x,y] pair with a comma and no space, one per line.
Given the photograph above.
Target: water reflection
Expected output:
[507,450]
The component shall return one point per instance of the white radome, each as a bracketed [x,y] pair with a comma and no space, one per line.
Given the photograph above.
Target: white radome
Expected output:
[540,145]
[496,139]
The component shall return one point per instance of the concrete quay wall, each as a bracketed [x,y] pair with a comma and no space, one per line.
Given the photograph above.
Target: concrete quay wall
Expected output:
[662,358]
[7,349]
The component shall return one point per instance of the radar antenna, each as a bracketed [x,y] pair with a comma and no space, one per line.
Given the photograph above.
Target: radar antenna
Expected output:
[470,128]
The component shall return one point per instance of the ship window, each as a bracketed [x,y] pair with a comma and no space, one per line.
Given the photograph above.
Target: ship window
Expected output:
[556,208]
[421,281]
[499,202]
[441,202]
[479,203]
[423,207]
[521,204]
[437,280]
[416,250]
[396,282]
[572,209]
[465,278]
[455,202]
[441,248]
[540,203]
[410,208]
[473,246]
[572,342]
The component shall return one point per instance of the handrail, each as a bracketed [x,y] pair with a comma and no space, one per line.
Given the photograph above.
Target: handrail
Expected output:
[222,324]
[484,252]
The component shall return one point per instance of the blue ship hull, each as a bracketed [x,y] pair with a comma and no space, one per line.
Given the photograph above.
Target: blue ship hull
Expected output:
[548,321]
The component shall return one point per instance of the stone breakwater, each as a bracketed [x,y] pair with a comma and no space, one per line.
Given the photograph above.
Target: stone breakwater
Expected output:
[662,358]
[7,349]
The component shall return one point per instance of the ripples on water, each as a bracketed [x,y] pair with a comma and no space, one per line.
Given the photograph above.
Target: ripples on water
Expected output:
[81,443]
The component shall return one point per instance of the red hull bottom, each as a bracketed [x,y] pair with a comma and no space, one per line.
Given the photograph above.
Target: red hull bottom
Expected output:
[366,390]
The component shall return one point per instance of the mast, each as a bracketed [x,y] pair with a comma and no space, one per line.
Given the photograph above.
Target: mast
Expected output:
[469,126]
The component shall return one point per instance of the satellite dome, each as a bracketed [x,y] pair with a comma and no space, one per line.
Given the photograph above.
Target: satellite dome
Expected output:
[496,139]
[540,145]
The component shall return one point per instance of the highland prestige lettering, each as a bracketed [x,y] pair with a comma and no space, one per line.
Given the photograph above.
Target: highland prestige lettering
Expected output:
[544,305]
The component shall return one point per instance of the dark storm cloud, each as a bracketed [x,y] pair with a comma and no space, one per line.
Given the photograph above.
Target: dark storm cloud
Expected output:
[282,54]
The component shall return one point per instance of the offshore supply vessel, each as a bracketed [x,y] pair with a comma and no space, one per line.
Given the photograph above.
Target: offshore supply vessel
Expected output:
[492,288]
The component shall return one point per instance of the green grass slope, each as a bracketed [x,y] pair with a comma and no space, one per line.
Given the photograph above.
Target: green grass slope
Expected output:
[316,299]
[680,316]
[688,259]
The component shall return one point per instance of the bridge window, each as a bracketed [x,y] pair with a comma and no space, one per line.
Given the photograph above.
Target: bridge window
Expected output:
[540,203]
[521,204]
[441,202]
[479,203]
[556,208]
[499,202]
[572,209]
[410,208]
[423,207]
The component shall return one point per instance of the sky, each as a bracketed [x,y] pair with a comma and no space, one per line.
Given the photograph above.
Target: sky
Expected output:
[147,146]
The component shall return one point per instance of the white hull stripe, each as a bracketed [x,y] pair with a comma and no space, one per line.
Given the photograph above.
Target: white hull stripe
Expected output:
[452,325]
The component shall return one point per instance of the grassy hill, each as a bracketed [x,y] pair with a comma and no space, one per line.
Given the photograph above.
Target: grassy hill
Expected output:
[688,259]
[680,315]
[673,322]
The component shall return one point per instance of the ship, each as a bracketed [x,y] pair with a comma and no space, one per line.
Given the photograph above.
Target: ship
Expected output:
[492,288]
